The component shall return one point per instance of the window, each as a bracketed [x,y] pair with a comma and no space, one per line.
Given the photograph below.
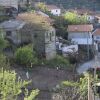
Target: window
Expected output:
[35,35]
[50,36]
[47,35]
[52,33]
[8,33]
[98,37]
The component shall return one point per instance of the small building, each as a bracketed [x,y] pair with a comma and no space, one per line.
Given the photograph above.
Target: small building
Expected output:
[7,12]
[54,10]
[80,34]
[12,33]
[96,37]
[43,34]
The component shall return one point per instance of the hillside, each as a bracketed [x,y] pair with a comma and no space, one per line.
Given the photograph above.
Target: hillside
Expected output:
[90,4]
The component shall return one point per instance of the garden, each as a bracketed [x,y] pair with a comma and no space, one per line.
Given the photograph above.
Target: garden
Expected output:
[24,75]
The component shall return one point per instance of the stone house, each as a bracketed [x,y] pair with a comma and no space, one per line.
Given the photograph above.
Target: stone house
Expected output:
[25,29]
[80,34]
[12,32]
[43,34]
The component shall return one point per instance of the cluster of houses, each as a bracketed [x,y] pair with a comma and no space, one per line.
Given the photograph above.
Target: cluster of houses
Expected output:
[24,29]
[84,35]
[19,31]
[13,7]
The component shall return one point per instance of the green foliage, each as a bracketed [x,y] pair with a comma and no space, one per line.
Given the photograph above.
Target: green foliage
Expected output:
[41,6]
[32,95]
[83,86]
[78,89]
[61,26]
[74,18]
[71,4]
[2,42]
[68,83]
[3,62]
[59,61]
[68,90]
[10,86]
[25,56]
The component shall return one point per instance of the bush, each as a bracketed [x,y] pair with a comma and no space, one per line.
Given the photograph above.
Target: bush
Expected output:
[25,56]
[3,43]
[4,62]
[12,86]
[59,61]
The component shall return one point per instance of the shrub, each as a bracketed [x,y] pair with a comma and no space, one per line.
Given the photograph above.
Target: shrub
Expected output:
[3,43]
[25,56]
[59,61]
[4,62]
[12,86]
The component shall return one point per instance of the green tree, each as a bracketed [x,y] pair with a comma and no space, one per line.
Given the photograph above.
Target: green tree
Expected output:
[61,26]
[74,18]
[41,6]
[25,56]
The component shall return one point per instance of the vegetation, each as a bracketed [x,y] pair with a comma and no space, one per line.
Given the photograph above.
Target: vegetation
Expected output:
[61,22]
[2,14]
[10,84]
[41,6]
[32,95]
[67,4]
[25,56]
[61,26]
[74,18]
[74,90]
[3,42]
[58,61]
[11,87]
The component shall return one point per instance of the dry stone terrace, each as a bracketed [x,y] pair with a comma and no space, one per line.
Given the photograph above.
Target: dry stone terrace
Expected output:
[44,78]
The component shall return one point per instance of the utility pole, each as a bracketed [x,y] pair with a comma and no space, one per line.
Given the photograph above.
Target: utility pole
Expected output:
[95,68]
[88,53]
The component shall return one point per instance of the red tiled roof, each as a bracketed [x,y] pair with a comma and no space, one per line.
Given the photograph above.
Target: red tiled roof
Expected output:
[80,28]
[96,32]
[24,16]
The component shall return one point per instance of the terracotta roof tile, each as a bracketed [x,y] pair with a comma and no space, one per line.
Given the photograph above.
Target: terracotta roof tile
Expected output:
[80,28]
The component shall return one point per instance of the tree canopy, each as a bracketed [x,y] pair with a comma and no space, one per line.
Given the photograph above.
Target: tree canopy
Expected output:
[74,18]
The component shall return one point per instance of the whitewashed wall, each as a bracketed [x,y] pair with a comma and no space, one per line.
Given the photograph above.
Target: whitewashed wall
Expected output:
[56,12]
[80,38]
